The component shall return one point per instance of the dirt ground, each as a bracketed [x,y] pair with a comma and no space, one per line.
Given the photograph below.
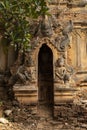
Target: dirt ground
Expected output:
[22,118]
[43,124]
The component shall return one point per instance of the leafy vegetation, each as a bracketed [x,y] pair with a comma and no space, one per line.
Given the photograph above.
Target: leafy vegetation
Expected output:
[15,18]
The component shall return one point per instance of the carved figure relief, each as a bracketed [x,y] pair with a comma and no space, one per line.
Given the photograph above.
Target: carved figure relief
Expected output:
[65,40]
[46,27]
[22,74]
[31,74]
[61,75]
[62,41]
[26,72]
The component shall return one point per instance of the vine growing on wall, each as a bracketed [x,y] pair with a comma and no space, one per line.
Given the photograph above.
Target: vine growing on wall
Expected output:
[15,19]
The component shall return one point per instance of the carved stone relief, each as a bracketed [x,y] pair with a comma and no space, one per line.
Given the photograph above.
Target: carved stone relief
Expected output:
[43,28]
[65,41]
[28,60]
[26,75]
[63,73]
[46,27]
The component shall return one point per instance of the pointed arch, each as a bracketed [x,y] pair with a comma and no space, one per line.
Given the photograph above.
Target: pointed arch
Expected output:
[45,78]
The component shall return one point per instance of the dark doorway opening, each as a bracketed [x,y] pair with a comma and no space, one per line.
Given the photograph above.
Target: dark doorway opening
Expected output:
[45,81]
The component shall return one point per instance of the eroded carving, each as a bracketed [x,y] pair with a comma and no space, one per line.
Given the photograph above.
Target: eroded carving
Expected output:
[64,74]
[23,75]
[78,3]
[64,42]
[44,28]
[28,60]
[21,72]
[61,74]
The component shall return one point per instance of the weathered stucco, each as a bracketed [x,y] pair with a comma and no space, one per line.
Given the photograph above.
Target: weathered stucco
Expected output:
[65,34]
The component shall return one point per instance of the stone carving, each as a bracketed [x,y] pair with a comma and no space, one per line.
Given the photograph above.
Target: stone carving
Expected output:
[78,3]
[28,60]
[64,43]
[21,72]
[44,28]
[23,75]
[61,74]
[32,73]
[48,27]
[54,21]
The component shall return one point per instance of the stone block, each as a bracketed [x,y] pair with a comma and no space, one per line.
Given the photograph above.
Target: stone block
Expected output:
[26,94]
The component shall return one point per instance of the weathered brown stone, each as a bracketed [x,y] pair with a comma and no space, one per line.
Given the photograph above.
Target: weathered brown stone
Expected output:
[62,35]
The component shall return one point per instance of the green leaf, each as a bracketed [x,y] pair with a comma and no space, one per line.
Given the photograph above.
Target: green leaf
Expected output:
[15,19]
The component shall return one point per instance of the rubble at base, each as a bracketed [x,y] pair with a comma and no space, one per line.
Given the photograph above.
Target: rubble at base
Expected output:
[71,116]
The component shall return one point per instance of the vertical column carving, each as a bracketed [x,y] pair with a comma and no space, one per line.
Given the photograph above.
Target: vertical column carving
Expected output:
[78,49]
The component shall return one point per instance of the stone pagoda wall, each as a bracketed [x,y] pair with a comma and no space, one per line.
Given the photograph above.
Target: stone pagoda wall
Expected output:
[64,32]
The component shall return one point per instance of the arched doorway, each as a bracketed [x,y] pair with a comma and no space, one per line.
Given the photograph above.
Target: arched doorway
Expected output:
[45,81]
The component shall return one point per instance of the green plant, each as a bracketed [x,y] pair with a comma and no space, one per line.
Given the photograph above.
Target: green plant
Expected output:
[15,18]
